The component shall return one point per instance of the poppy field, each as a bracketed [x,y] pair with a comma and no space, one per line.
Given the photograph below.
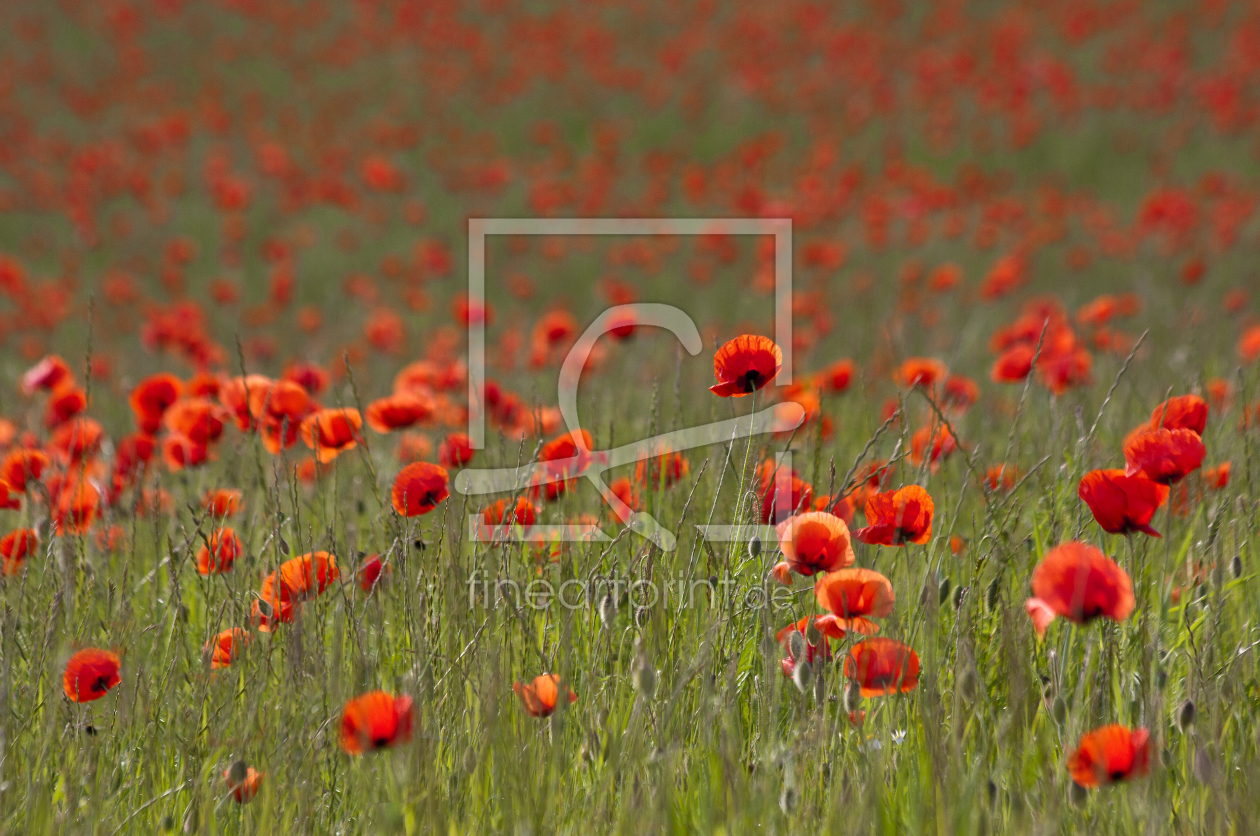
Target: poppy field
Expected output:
[882,460]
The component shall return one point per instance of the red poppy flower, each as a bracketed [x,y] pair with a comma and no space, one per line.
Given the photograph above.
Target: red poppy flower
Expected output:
[237,395]
[199,419]
[920,371]
[1217,478]
[47,374]
[400,410]
[274,605]
[815,542]
[664,469]
[222,502]
[330,432]
[1122,504]
[1079,583]
[853,597]
[90,674]
[22,465]
[77,440]
[1014,365]
[224,648]
[375,720]
[76,507]
[419,488]
[309,376]
[308,576]
[1189,412]
[370,572]
[66,401]
[243,786]
[837,377]
[16,547]
[1002,475]
[222,552]
[180,451]
[895,518]
[8,499]
[960,392]
[152,397]
[542,695]
[933,443]
[1163,456]
[455,451]
[882,666]
[1110,754]
[744,365]
[497,521]
[564,459]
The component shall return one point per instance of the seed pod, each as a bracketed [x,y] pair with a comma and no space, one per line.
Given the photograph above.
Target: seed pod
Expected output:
[1236,567]
[1059,710]
[644,679]
[802,675]
[607,610]
[283,544]
[1185,717]
[943,591]
[992,594]
[796,644]
[754,546]
[852,696]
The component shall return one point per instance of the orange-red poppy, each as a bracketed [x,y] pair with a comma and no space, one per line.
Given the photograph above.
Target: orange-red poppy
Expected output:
[933,443]
[920,371]
[565,458]
[65,402]
[1164,456]
[238,394]
[1110,754]
[837,377]
[180,451]
[16,547]
[224,648]
[274,605]
[223,550]
[882,666]
[330,432]
[1217,478]
[1002,476]
[1080,583]
[895,518]
[455,451]
[1188,412]
[497,521]
[744,365]
[783,493]
[76,440]
[399,410]
[375,720]
[8,499]
[419,488]
[21,465]
[1014,364]
[543,694]
[152,397]
[199,419]
[222,502]
[90,674]
[308,576]
[245,786]
[853,597]
[1122,504]
[370,572]
[76,507]
[815,541]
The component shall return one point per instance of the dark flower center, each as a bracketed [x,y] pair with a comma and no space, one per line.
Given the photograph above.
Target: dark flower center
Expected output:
[101,684]
[751,378]
[380,742]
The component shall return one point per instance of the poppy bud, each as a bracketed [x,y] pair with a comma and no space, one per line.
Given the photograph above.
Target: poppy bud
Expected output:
[943,591]
[1185,717]
[802,675]
[607,610]
[959,593]
[641,617]
[284,544]
[796,644]
[820,685]
[991,791]
[1078,794]
[993,593]
[754,546]
[1236,567]
[1059,710]
[852,696]
[236,772]
[644,679]
[967,684]
[1161,677]
[812,635]
[787,800]
[782,573]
